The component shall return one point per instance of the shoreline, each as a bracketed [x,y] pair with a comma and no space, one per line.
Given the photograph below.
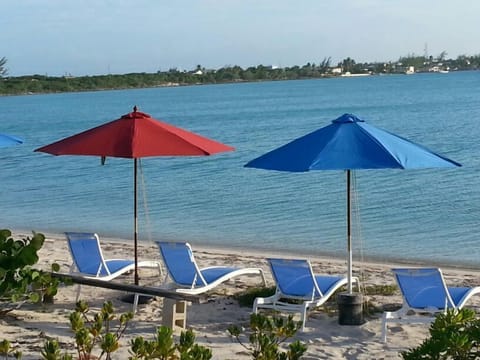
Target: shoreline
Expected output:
[325,338]
[224,248]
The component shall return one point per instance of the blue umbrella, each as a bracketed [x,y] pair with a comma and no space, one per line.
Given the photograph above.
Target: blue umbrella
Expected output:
[8,140]
[349,144]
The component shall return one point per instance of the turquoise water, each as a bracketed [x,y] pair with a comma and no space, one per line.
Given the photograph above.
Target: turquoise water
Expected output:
[412,214]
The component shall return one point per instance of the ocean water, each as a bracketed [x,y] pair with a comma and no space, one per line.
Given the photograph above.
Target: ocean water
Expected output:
[420,215]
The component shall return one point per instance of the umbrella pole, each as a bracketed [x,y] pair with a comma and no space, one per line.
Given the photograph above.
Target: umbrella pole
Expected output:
[350,305]
[135,219]
[349,233]
[130,298]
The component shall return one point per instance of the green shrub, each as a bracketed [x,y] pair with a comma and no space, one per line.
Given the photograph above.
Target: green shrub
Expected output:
[453,335]
[266,335]
[19,282]
[6,349]
[51,351]
[163,347]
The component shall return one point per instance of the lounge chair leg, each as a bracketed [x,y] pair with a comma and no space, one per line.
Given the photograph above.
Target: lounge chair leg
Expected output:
[135,303]
[304,317]
[255,307]
[174,313]
[78,293]
[384,327]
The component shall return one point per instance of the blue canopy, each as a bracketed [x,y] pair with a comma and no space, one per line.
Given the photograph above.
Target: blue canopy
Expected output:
[8,140]
[349,143]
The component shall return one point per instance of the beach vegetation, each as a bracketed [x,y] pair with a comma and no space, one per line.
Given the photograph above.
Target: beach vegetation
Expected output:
[52,351]
[97,336]
[247,297]
[163,347]
[19,281]
[8,351]
[44,285]
[453,335]
[266,335]
[92,333]
[97,331]
[379,289]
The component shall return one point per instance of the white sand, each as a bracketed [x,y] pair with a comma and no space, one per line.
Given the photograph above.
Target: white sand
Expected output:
[29,326]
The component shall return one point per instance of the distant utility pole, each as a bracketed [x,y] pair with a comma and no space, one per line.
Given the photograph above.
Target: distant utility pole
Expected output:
[3,69]
[425,51]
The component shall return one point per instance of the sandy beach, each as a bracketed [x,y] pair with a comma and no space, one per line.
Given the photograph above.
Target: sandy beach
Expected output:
[28,327]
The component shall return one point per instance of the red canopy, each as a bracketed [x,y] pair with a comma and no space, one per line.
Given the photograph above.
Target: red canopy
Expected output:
[135,135]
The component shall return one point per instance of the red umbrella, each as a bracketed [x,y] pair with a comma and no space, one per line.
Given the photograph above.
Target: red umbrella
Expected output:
[135,135]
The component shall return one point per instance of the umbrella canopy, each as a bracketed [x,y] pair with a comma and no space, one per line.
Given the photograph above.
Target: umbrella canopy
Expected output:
[349,143]
[8,140]
[135,135]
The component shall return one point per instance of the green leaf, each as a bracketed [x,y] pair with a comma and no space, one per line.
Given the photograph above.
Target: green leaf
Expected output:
[34,297]
[37,241]
[28,256]
[34,275]
[5,234]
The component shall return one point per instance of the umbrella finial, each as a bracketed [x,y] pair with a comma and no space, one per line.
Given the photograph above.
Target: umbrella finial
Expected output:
[347,118]
[135,108]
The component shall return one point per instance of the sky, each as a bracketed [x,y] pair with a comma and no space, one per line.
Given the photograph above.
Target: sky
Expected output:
[95,37]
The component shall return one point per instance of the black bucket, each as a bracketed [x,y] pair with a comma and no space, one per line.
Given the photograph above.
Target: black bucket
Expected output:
[350,309]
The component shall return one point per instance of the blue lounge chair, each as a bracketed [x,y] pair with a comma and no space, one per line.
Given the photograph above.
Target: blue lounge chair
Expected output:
[187,277]
[296,281]
[424,292]
[88,260]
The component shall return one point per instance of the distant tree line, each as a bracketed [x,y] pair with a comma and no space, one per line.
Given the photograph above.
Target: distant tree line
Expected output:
[34,84]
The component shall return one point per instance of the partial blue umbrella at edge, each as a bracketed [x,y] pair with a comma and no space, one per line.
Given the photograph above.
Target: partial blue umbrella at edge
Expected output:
[349,143]
[9,140]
